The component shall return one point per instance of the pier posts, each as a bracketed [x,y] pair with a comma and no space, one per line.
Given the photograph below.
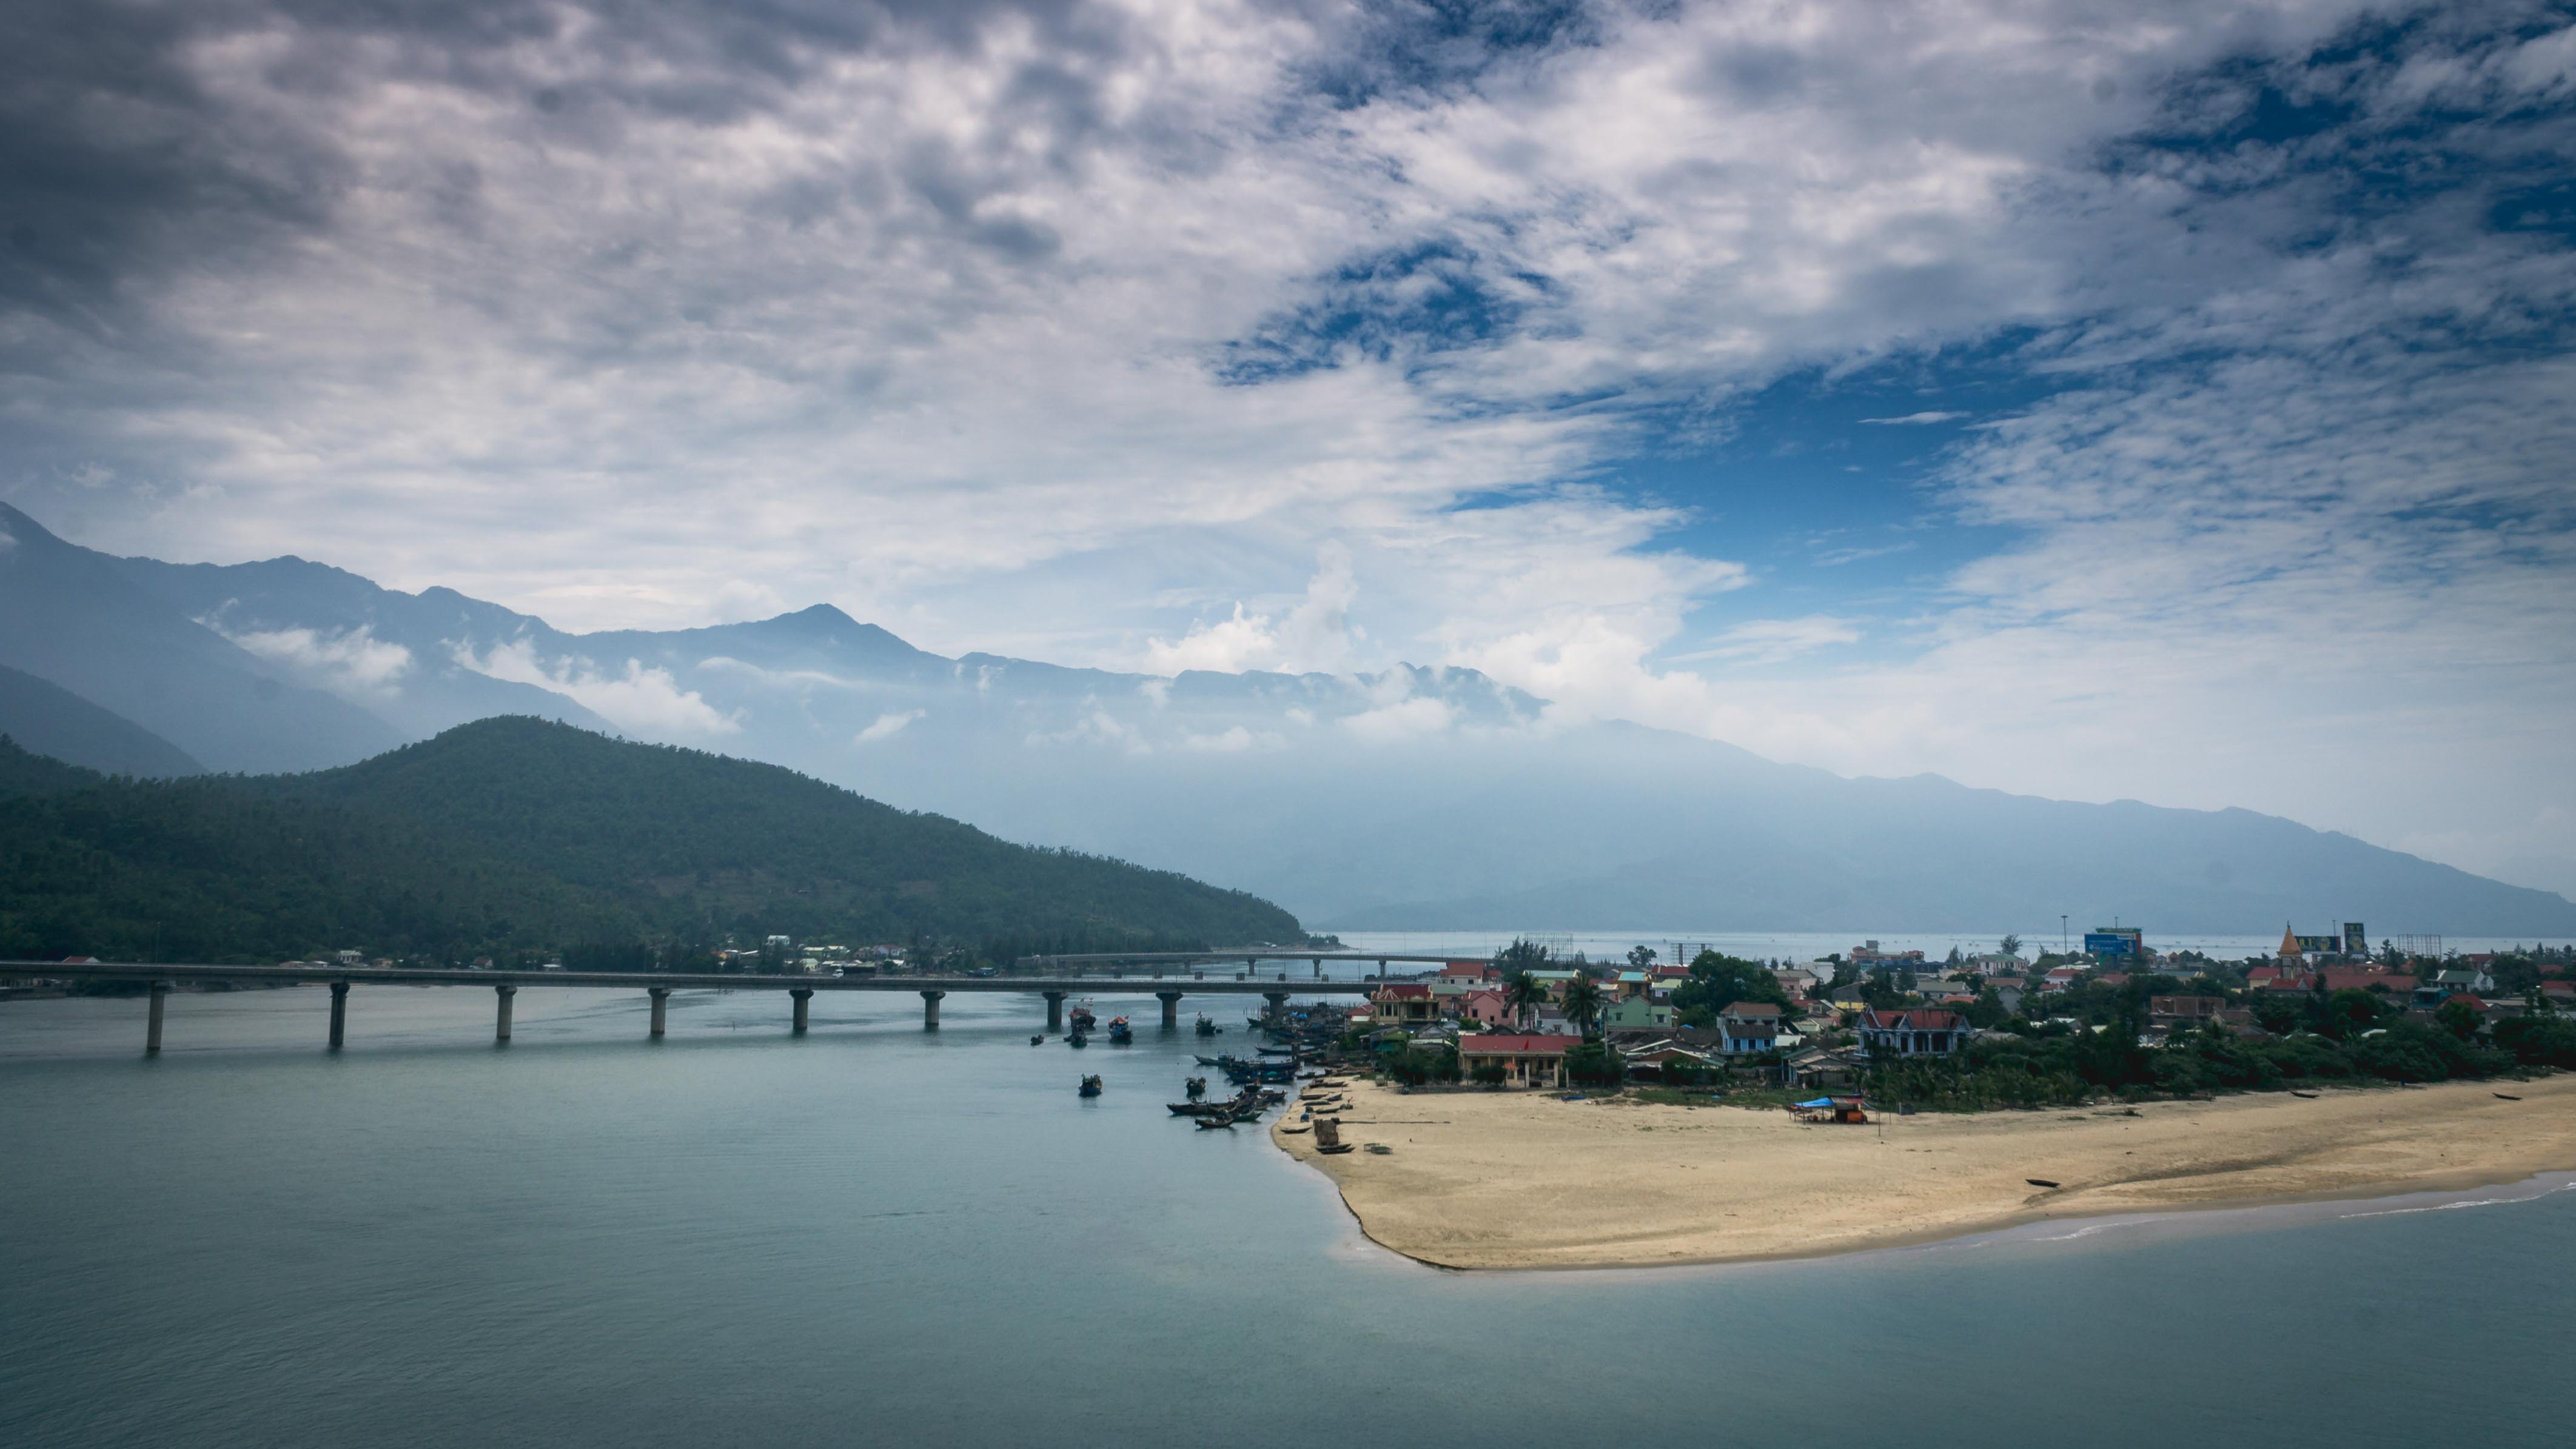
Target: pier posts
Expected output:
[152,1023]
[661,997]
[1055,1010]
[930,1010]
[1171,1008]
[501,1023]
[801,995]
[1319,968]
[339,1012]
[1278,1003]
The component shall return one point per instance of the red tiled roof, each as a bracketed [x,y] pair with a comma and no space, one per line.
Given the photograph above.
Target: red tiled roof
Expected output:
[1913,1021]
[1494,1045]
[1401,991]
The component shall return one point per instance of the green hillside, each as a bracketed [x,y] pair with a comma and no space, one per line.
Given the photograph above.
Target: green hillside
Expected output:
[523,835]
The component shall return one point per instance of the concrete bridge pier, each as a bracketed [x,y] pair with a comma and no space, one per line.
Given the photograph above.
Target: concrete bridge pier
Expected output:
[930,1009]
[661,1000]
[1278,1004]
[1055,1010]
[339,1012]
[1171,1009]
[1319,968]
[501,1020]
[1381,971]
[152,1023]
[801,995]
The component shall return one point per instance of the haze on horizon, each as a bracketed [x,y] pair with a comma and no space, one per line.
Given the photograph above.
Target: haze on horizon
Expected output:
[2159,401]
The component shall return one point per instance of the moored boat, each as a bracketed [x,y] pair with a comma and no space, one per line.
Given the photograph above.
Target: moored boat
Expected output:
[1091,1086]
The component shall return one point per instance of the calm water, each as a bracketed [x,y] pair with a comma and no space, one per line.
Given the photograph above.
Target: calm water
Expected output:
[878,1235]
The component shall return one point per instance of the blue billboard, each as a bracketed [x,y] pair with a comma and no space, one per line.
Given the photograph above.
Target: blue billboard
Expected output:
[2111,943]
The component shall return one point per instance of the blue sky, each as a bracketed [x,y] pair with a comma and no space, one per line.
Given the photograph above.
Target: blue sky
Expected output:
[2105,400]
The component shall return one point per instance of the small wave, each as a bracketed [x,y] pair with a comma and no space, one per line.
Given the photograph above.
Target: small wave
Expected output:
[2477,1202]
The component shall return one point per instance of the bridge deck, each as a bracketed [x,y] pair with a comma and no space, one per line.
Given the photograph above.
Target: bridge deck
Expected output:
[1138,984]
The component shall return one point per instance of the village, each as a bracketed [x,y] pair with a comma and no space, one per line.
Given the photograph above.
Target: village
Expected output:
[1527,1020]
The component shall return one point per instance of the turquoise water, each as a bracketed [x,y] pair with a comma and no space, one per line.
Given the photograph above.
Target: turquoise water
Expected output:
[880,1235]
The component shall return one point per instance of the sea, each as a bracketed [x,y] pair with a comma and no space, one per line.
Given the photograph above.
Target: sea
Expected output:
[881,1234]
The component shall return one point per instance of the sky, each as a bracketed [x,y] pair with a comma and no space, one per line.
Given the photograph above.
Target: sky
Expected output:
[2166,401]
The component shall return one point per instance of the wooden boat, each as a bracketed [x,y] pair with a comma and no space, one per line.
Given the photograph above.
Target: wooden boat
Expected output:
[1194,1087]
[2303,1094]
[1208,1123]
[1294,1131]
[1206,1027]
[1037,1041]
[2039,1182]
[2507,1097]
[1083,1020]
[1091,1086]
[1077,1039]
[1120,1033]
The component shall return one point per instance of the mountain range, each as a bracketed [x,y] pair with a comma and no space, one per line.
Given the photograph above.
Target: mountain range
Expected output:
[1413,798]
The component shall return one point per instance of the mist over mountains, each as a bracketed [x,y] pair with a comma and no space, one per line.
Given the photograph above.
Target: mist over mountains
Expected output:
[1410,799]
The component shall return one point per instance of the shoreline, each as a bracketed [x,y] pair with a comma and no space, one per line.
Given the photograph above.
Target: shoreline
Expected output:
[1521,1181]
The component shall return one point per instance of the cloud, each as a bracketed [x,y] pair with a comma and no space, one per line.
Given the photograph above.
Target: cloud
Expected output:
[1774,641]
[1235,740]
[352,663]
[1405,720]
[648,701]
[886,726]
[1042,327]
[1316,634]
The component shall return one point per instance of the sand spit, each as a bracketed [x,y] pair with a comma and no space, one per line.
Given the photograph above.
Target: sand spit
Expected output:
[1523,1180]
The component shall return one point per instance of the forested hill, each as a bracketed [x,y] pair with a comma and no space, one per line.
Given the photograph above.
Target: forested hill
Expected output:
[517,834]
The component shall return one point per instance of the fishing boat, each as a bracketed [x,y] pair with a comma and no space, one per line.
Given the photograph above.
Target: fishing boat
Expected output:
[1083,1020]
[1120,1033]
[1077,1039]
[1207,1027]
[1091,1086]
[1037,1041]
[1195,1087]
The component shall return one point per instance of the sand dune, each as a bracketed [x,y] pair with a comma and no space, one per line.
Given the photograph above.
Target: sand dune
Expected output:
[1522,1180]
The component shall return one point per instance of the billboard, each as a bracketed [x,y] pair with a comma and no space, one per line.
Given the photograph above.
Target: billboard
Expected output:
[2320,945]
[2356,941]
[2112,943]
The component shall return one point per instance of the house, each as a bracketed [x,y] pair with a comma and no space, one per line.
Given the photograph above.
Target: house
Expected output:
[1868,957]
[1821,1067]
[1912,1033]
[1403,1003]
[1636,1013]
[1526,1061]
[1485,1007]
[1470,971]
[1996,964]
[1751,1038]
[1752,1011]
[1627,984]
[2061,978]
[2471,979]
[2169,1010]
[2344,978]
[1654,1058]
[1798,981]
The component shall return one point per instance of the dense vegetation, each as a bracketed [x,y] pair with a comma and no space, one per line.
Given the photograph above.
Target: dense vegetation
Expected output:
[2323,1037]
[509,836]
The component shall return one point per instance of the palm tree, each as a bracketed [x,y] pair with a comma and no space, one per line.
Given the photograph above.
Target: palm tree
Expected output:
[1521,991]
[1582,1002]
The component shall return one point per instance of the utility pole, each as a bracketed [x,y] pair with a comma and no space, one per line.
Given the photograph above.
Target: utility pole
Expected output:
[2061,933]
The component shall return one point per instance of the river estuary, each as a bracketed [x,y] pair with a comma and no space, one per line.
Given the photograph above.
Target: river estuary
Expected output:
[877,1234]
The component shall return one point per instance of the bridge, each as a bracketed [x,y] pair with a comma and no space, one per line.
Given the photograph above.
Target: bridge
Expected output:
[658,986]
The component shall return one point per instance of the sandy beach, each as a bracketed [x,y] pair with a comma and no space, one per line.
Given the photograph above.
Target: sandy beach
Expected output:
[1524,1180]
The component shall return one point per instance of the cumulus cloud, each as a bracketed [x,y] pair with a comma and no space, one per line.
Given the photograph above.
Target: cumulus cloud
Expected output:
[646,700]
[352,663]
[1316,634]
[1920,419]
